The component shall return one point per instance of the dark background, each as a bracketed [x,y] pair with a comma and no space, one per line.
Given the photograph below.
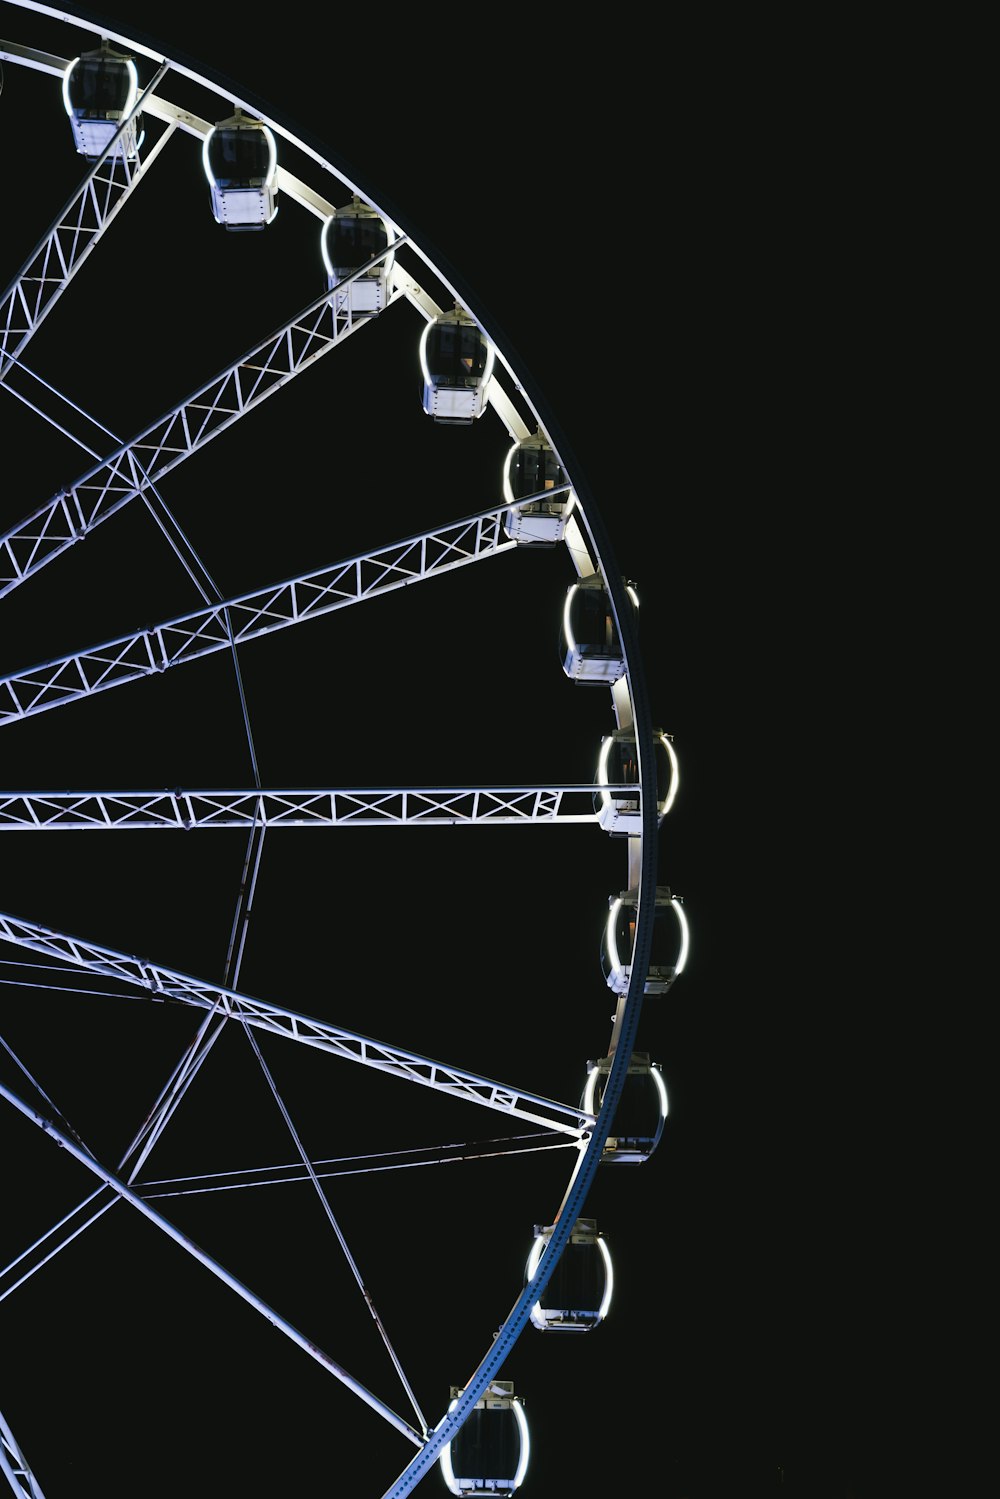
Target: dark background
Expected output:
[652,242]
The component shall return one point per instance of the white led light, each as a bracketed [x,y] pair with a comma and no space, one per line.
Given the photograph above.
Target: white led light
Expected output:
[425,335]
[602,771]
[272,152]
[566,608]
[204,157]
[522,1466]
[322,246]
[590,1091]
[668,800]
[685,941]
[133,87]
[65,86]
[508,493]
[612,939]
[609,1279]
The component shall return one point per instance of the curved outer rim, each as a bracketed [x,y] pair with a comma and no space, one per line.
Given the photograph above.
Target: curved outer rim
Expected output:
[590,1158]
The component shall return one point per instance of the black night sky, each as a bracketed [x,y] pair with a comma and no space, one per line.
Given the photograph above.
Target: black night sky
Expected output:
[637,229]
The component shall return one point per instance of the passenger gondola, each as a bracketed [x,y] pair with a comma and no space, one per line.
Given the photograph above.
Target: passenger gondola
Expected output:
[641,1111]
[532,468]
[489,1455]
[589,645]
[99,91]
[618,766]
[578,1294]
[456,362]
[668,951]
[350,238]
[240,157]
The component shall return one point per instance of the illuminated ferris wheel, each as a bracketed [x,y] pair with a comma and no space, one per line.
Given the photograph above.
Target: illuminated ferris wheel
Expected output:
[251,492]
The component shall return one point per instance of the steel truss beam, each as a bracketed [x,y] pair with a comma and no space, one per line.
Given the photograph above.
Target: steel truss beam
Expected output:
[109,485]
[167,984]
[14,1465]
[221,626]
[48,271]
[274,808]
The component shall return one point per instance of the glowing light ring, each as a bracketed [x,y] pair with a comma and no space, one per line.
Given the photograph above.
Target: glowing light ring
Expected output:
[609,1279]
[685,936]
[487,374]
[534,1258]
[618,968]
[671,795]
[130,98]
[389,253]
[272,150]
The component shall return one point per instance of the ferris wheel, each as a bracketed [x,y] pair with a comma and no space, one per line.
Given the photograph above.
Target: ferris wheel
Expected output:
[289,553]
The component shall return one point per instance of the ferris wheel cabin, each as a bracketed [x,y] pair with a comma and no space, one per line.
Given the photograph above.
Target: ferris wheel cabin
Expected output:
[532,469]
[668,952]
[589,646]
[642,1108]
[240,157]
[99,92]
[618,766]
[456,362]
[352,237]
[490,1453]
[579,1291]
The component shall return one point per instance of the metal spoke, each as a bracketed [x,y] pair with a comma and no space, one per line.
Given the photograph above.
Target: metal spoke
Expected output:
[331,807]
[79,227]
[14,1465]
[104,489]
[188,637]
[166,984]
